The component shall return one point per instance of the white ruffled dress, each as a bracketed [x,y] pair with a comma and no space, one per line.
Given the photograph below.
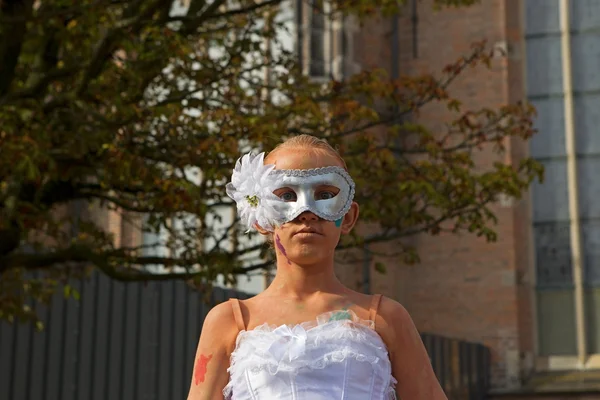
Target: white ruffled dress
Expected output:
[338,356]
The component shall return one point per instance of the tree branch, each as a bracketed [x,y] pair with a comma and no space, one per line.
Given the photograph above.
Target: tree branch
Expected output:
[9,239]
[420,229]
[192,24]
[42,14]
[11,39]
[195,21]
[107,44]
[85,255]
[183,276]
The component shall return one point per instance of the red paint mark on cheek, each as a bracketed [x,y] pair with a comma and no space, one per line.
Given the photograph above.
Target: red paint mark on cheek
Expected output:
[281,248]
[200,372]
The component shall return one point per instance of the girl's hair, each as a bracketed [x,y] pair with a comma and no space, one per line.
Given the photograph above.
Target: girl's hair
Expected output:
[309,142]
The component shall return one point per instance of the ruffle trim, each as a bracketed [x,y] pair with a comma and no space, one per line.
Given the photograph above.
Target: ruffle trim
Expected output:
[391,390]
[331,326]
[338,356]
[334,326]
[258,346]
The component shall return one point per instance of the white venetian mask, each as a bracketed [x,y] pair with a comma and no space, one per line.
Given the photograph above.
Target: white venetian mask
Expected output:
[326,192]
[270,197]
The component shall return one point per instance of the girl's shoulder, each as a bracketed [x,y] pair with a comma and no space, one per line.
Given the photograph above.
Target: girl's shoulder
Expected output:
[393,321]
[221,324]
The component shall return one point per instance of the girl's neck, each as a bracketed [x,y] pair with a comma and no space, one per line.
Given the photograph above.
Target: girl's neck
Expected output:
[299,282]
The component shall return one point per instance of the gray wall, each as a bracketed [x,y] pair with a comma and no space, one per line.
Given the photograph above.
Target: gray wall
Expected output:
[119,341]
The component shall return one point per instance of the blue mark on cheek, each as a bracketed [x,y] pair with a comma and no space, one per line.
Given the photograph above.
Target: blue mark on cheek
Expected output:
[338,223]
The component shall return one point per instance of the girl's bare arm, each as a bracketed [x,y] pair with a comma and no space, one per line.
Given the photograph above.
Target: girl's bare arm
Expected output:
[217,341]
[411,365]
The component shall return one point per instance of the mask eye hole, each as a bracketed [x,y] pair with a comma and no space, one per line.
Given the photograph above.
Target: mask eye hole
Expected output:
[286,194]
[326,193]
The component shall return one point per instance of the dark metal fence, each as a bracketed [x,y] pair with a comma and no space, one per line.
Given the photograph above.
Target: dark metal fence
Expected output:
[124,341]
[137,340]
[462,368]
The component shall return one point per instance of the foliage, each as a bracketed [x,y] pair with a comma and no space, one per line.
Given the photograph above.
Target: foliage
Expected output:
[137,108]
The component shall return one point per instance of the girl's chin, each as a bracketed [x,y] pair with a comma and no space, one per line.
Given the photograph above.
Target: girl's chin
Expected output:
[308,253]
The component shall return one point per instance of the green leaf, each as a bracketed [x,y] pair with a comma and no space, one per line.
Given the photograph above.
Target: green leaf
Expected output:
[380,267]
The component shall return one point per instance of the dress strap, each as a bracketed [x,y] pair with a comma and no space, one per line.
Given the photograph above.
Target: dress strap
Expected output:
[237,314]
[375,300]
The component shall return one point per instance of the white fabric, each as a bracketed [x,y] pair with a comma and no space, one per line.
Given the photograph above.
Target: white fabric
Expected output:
[327,359]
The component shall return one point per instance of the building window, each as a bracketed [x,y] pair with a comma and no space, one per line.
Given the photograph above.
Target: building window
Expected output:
[322,40]
[566,210]
[318,60]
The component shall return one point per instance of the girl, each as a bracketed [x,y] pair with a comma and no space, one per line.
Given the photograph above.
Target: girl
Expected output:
[307,337]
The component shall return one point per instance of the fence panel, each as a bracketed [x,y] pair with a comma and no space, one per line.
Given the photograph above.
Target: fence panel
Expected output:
[462,368]
[120,341]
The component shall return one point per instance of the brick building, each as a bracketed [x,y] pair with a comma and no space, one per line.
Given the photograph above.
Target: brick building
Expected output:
[532,296]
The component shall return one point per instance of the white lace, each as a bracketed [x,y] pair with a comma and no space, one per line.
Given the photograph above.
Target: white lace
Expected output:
[292,351]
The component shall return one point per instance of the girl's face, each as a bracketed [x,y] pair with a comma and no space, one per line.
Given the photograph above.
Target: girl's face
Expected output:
[309,239]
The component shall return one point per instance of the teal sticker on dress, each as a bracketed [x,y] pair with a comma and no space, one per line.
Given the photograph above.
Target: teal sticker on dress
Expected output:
[338,223]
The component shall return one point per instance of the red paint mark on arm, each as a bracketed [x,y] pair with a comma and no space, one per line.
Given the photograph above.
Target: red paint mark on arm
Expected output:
[200,372]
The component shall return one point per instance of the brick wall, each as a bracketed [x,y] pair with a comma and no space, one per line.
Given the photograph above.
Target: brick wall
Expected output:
[465,287]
